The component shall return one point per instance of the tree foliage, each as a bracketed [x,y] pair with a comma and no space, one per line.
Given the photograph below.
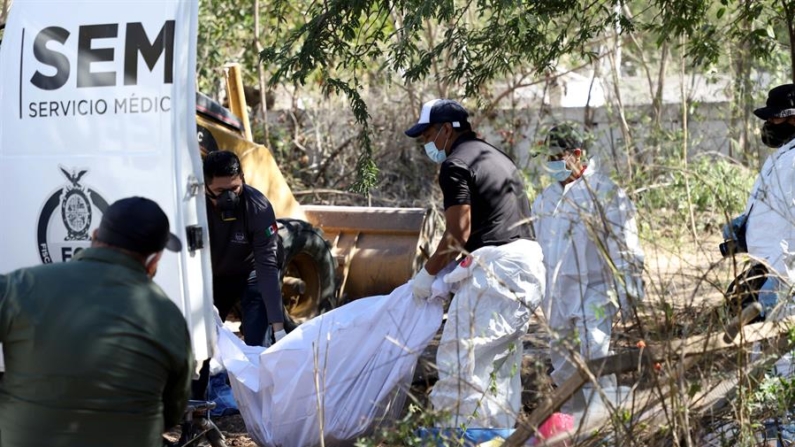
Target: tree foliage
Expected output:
[468,44]
[346,46]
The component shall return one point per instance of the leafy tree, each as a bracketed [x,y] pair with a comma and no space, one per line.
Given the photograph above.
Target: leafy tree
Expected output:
[225,35]
[475,42]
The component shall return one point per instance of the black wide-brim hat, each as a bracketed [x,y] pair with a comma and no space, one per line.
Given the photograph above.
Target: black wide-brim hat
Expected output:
[780,103]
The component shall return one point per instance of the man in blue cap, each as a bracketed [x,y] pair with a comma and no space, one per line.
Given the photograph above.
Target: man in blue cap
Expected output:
[486,214]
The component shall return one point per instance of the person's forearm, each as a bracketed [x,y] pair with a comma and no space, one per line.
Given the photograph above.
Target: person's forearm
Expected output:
[447,250]
[268,282]
[266,255]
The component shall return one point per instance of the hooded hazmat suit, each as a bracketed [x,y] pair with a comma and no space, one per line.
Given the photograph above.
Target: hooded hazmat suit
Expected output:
[497,289]
[771,210]
[593,262]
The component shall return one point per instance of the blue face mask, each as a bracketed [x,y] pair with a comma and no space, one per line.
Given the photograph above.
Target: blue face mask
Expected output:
[557,169]
[433,152]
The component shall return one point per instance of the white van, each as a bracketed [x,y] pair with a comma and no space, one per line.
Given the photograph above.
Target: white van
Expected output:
[97,104]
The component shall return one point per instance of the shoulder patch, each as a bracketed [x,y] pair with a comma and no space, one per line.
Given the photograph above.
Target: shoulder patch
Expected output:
[271,230]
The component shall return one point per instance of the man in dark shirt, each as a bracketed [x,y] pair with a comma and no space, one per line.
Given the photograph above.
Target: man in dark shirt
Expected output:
[496,287]
[96,354]
[246,249]
[485,203]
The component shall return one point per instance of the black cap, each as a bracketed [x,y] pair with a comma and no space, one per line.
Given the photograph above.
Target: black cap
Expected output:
[139,225]
[780,103]
[439,111]
[565,136]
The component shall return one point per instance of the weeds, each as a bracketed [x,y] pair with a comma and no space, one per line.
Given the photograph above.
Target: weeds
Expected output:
[674,401]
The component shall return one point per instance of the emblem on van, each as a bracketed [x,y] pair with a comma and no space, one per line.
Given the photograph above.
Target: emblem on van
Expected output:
[75,207]
[60,239]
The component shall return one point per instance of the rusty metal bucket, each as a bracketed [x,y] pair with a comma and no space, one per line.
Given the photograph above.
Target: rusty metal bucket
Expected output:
[377,249]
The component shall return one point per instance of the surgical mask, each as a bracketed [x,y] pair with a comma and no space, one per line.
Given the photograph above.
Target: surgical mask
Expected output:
[557,169]
[227,203]
[433,152]
[775,135]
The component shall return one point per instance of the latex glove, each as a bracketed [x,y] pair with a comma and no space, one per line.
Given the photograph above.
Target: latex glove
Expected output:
[278,335]
[421,284]
[768,295]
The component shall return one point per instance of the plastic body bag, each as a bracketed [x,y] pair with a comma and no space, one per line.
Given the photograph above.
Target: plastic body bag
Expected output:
[361,357]
[480,353]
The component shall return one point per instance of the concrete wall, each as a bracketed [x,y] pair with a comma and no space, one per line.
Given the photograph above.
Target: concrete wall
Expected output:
[708,129]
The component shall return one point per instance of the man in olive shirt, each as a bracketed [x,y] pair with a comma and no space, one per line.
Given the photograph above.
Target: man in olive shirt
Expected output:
[96,354]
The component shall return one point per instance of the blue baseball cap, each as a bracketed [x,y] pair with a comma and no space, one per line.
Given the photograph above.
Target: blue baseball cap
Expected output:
[139,225]
[438,111]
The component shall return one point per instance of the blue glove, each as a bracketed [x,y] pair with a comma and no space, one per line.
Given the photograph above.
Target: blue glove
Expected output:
[730,230]
[768,295]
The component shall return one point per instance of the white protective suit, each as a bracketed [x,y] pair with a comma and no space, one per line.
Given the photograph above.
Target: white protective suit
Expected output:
[583,229]
[480,353]
[770,235]
[771,210]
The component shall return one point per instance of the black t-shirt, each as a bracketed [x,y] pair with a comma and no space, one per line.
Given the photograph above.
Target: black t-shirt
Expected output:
[249,243]
[481,176]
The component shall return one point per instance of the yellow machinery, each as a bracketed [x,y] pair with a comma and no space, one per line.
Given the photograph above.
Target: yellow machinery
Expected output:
[334,254]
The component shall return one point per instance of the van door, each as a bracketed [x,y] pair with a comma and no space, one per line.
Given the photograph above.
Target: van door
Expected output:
[97,103]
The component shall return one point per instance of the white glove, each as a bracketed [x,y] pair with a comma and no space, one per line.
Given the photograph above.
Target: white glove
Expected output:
[278,335]
[421,284]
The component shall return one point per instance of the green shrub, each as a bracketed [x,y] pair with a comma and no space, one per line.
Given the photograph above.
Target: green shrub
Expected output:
[718,188]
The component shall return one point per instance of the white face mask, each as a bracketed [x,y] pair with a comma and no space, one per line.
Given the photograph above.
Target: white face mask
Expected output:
[433,152]
[557,169]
